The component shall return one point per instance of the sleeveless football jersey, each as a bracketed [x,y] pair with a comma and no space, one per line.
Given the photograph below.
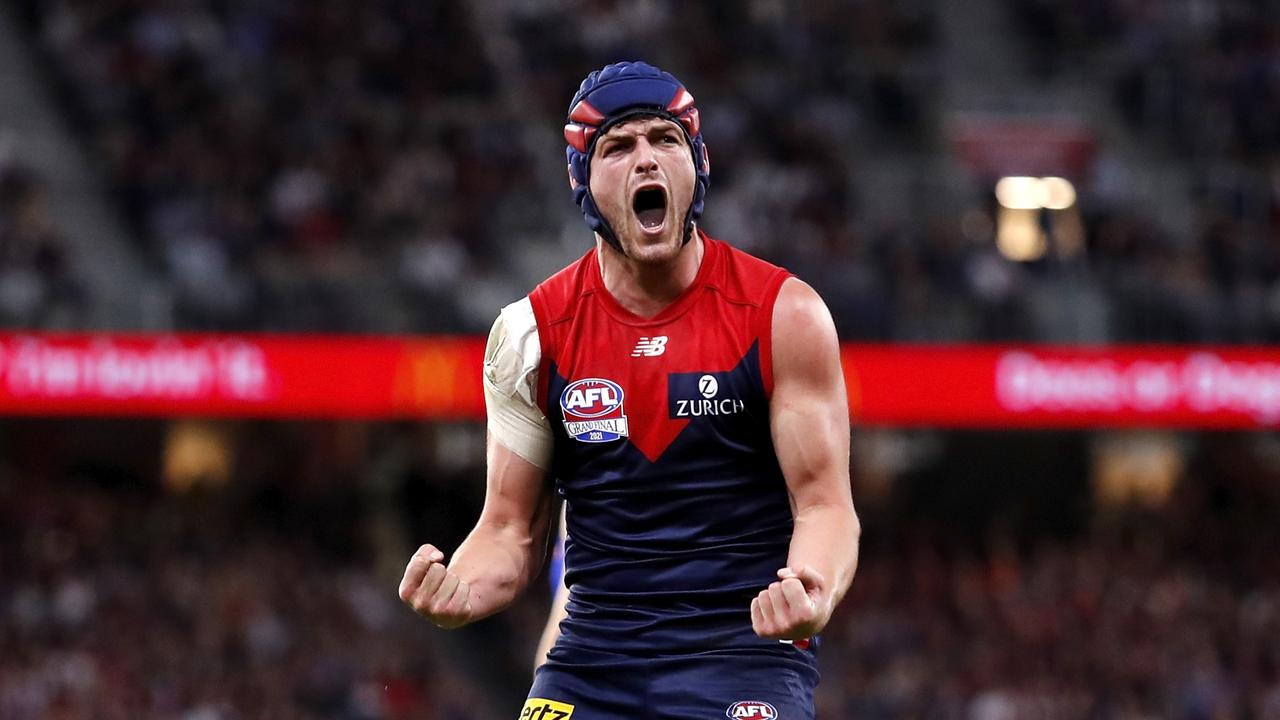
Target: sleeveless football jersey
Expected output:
[677,511]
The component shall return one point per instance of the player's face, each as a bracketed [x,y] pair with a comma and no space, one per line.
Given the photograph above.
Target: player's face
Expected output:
[642,179]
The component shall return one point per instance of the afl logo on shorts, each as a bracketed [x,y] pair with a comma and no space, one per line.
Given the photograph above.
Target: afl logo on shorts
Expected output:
[751,710]
[593,410]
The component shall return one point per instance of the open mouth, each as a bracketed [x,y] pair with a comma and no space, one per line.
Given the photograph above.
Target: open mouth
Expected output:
[650,205]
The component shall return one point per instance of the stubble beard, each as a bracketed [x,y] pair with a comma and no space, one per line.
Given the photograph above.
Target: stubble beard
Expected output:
[649,251]
[659,252]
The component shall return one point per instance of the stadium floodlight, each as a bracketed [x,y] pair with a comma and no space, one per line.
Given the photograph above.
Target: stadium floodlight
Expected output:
[1059,193]
[1019,192]
[1019,236]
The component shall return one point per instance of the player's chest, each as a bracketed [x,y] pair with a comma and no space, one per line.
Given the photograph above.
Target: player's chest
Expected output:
[615,383]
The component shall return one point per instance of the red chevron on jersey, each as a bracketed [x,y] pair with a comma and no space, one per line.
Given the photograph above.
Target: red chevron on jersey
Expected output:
[673,369]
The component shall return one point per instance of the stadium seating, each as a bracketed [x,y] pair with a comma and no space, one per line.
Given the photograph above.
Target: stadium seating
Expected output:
[395,166]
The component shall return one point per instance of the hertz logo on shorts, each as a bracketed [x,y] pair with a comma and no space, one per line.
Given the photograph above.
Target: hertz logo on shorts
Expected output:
[543,709]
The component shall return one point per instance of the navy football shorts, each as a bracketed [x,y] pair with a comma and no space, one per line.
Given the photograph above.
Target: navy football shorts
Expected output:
[577,684]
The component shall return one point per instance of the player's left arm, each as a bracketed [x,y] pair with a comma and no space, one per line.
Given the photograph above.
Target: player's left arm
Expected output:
[809,421]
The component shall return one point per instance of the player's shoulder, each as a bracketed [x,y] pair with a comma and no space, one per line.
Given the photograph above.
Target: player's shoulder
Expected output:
[556,296]
[743,277]
[800,305]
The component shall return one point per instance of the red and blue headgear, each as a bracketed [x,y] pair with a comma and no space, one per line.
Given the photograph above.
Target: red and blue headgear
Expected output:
[616,93]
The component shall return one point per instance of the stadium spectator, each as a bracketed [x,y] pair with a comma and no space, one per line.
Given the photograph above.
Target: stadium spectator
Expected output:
[37,286]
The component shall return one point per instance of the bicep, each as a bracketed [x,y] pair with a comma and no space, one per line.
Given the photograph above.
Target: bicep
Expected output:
[809,411]
[517,493]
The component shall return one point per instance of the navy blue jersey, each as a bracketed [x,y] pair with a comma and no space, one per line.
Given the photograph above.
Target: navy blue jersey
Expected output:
[677,511]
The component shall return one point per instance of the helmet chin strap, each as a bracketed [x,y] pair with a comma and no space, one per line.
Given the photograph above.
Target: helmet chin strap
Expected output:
[688,226]
[605,231]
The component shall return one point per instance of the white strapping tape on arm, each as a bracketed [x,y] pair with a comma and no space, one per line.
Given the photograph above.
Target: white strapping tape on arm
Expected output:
[511,385]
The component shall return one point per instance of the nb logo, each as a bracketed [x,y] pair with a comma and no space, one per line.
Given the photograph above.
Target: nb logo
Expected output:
[650,346]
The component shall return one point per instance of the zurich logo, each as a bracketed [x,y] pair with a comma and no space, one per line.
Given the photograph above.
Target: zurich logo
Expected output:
[593,410]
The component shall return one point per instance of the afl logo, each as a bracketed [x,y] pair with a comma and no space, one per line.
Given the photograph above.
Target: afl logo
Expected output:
[751,710]
[593,410]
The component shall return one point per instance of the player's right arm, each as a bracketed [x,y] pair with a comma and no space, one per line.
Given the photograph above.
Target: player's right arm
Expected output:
[506,548]
[497,560]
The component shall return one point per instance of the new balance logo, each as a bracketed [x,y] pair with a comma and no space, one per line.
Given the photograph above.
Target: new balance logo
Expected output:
[650,346]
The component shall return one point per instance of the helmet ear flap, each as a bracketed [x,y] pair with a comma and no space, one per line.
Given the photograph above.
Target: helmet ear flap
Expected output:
[594,219]
[578,166]
[579,173]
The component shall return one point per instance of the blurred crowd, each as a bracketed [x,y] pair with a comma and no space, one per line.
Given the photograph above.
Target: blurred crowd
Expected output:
[1100,629]
[1133,611]
[393,166]
[386,166]
[1198,85]
[1200,76]
[274,596]
[283,161]
[261,600]
[37,286]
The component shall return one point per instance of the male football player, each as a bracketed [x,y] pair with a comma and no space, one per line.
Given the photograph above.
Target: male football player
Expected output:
[687,402]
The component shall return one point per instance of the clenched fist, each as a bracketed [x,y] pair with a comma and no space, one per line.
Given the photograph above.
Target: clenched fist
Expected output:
[433,591]
[794,608]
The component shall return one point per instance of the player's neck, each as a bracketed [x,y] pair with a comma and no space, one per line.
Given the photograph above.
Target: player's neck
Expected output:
[645,289]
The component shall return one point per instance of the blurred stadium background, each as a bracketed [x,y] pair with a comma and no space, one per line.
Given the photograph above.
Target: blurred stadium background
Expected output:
[248,251]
